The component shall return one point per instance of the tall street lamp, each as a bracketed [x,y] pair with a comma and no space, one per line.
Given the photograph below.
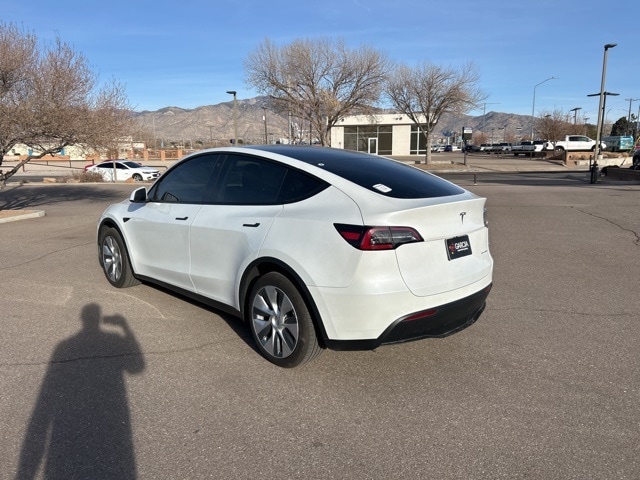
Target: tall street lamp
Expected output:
[596,151]
[264,118]
[484,115]
[604,108]
[575,114]
[235,116]
[533,108]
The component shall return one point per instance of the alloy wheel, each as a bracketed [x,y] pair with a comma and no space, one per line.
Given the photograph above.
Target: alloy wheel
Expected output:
[275,322]
[111,259]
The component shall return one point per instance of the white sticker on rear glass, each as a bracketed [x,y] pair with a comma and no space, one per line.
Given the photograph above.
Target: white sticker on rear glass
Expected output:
[382,188]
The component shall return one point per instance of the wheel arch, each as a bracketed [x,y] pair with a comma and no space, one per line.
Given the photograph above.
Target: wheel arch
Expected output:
[262,266]
[109,222]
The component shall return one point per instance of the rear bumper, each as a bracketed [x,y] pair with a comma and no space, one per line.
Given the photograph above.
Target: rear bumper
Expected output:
[436,322]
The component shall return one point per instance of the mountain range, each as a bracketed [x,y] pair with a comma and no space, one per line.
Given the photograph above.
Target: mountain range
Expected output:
[213,124]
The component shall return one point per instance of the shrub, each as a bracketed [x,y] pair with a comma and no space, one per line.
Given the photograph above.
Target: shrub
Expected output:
[86,177]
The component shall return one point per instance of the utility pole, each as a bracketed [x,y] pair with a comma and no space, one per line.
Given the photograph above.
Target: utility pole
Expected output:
[630,100]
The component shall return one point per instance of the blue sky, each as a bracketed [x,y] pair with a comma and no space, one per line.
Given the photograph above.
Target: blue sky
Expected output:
[189,53]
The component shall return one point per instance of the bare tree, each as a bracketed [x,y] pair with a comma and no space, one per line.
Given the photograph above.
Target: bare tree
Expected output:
[555,125]
[426,92]
[319,80]
[49,100]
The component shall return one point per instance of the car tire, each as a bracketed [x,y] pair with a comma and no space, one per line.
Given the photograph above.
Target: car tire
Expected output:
[114,259]
[137,177]
[280,322]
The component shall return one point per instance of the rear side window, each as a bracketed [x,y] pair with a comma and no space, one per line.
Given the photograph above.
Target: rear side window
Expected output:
[249,180]
[298,186]
[378,174]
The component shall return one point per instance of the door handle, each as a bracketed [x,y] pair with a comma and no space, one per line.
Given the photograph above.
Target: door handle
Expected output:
[253,225]
[181,218]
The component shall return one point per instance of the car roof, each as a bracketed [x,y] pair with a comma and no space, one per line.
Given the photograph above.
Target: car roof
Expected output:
[374,173]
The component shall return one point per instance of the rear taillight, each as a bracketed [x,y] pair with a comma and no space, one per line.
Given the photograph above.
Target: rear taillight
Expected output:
[377,238]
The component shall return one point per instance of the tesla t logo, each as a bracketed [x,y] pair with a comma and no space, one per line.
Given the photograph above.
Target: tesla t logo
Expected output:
[462,214]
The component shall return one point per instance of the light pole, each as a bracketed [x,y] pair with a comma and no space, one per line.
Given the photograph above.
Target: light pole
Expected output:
[235,116]
[604,109]
[264,118]
[603,96]
[484,112]
[575,114]
[533,108]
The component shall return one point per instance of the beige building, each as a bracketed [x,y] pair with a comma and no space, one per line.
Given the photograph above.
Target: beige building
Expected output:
[126,149]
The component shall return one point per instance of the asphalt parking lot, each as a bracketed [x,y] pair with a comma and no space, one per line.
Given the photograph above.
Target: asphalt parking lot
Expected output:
[149,385]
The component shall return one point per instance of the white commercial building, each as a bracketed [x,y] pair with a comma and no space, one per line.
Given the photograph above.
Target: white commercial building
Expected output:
[381,134]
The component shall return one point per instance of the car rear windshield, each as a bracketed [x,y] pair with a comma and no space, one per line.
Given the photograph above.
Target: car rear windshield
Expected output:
[378,174]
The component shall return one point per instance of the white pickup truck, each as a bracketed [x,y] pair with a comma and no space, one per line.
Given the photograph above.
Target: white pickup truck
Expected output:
[573,143]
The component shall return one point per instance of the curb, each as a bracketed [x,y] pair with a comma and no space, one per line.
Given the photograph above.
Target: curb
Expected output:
[19,215]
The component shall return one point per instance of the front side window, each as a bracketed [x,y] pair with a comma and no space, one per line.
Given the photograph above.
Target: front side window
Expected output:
[192,181]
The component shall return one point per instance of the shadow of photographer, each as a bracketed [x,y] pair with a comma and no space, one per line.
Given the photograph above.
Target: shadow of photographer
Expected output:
[81,426]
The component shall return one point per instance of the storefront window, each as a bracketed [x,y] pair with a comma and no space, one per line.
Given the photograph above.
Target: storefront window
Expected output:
[357,138]
[418,142]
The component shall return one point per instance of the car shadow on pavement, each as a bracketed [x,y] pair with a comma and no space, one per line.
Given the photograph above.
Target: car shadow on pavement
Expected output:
[80,426]
[239,327]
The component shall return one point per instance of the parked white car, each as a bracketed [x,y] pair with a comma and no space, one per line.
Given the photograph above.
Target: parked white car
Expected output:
[124,170]
[313,247]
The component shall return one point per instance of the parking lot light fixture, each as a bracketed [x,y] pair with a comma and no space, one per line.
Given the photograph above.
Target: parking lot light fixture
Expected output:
[575,114]
[235,116]
[602,95]
[264,119]
[533,108]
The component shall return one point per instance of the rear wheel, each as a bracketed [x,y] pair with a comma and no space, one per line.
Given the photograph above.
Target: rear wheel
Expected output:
[280,322]
[114,259]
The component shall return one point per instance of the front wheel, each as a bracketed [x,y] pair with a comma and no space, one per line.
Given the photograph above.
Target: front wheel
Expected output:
[280,322]
[114,259]
[137,177]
